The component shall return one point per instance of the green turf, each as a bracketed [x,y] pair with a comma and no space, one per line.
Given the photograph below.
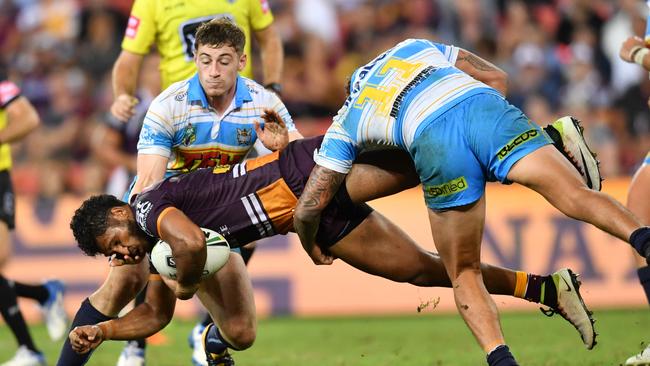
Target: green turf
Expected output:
[422,339]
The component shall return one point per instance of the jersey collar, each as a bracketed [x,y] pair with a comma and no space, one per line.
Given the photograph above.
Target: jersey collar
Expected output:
[195,92]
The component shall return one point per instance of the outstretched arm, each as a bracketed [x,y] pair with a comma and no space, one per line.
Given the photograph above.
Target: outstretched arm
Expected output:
[144,320]
[323,183]
[482,70]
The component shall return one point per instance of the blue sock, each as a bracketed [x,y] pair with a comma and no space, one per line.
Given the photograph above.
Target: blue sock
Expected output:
[87,314]
[501,356]
[215,343]
[644,278]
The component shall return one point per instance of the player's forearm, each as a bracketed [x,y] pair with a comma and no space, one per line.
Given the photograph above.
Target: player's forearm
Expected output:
[305,224]
[272,54]
[125,74]
[141,322]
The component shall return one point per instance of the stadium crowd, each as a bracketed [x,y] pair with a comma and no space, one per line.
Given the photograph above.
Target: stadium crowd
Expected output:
[561,56]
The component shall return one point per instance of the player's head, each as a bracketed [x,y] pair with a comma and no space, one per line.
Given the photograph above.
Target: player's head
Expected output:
[106,225]
[219,55]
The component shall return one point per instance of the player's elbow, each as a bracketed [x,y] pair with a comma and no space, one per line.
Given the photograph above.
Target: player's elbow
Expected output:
[499,81]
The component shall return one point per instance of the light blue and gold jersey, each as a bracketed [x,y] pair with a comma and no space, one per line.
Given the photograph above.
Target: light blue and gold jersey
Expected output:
[183,127]
[394,97]
[647,158]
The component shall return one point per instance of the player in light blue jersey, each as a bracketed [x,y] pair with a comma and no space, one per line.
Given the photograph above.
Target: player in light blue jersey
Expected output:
[213,119]
[445,107]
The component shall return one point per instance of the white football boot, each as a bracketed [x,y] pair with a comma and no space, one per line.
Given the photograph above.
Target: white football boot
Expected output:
[26,357]
[640,359]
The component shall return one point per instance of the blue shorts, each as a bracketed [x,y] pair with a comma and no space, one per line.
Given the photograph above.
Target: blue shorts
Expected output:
[476,141]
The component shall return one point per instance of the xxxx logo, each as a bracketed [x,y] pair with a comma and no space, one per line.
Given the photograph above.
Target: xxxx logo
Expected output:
[528,135]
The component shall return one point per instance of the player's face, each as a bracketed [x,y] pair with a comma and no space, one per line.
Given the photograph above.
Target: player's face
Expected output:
[122,239]
[218,68]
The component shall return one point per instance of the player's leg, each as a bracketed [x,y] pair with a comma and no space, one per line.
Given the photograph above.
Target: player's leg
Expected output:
[228,296]
[638,201]
[547,172]
[134,350]
[457,233]
[120,287]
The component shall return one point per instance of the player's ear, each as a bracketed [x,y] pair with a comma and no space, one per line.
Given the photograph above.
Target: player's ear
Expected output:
[242,62]
[120,212]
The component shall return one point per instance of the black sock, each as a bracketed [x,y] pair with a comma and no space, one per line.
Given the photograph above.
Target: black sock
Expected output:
[541,289]
[640,240]
[247,253]
[216,343]
[12,315]
[87,314]
[644,278]
[139,299]
[36,292]
[501,356]
[206,320]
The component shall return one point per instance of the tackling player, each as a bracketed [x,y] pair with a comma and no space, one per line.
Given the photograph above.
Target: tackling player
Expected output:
[211,119]
[445,107]
[256,199]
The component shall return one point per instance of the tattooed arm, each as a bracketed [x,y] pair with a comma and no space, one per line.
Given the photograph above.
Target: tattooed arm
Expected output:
[482,70]
[321,187]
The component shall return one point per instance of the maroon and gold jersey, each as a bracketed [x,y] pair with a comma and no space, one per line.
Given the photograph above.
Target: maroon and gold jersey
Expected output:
[250,200]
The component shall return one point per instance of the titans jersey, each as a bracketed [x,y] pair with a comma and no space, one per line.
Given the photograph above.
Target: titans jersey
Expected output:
[248,201]
[171,25]
[183,127]
[8,93]
[647,159]
[393,97]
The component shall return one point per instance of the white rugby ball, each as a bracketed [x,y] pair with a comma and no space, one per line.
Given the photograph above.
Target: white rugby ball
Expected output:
[218,252]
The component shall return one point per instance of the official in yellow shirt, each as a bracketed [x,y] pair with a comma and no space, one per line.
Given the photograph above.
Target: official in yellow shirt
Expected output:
[170,26]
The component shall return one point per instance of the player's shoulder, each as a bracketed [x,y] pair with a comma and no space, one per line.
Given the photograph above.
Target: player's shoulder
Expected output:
[174,95]
[258,93]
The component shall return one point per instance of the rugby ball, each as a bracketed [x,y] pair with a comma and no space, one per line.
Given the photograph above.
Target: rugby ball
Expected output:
[218,252]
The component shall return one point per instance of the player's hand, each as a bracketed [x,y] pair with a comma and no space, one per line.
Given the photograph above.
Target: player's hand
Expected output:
[118,260]
[274,135]
[123,107]
[320,257]
[630,44]
[85,338]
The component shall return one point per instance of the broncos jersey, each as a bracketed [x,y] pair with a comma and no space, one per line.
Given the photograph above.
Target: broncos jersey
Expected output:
[171,26]
[248,201]
[182,126]
[392,99]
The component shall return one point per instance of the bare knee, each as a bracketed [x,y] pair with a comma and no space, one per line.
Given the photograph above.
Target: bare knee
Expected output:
[240,333]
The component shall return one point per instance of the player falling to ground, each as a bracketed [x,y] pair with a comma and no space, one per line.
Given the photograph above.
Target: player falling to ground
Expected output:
[172,29]
[17,119]
[635,50]
[213,118]
[256,199]
[429,99]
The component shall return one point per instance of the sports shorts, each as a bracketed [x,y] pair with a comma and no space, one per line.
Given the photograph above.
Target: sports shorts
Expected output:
[7,200]
[475,142]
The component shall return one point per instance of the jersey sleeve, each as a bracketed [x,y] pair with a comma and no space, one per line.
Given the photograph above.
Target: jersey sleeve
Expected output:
[8,93]
[157,135]
[140,31]
[261,16]
[450,52]
[148,207]
[338,150]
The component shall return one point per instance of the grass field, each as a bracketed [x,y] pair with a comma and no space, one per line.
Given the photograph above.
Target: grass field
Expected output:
[423,340]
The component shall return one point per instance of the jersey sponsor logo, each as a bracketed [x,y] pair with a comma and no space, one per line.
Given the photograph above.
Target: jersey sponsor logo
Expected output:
[190,160]
[142,210]
[526,136]
[244,136]
[132,27]
[452,187]
[180,96]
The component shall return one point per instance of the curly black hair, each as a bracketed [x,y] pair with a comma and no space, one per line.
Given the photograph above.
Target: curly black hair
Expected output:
[220,32]
[91,220]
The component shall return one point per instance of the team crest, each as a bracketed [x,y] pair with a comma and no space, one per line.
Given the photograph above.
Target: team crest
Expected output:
[189,135]
[180,96]
[244,136]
